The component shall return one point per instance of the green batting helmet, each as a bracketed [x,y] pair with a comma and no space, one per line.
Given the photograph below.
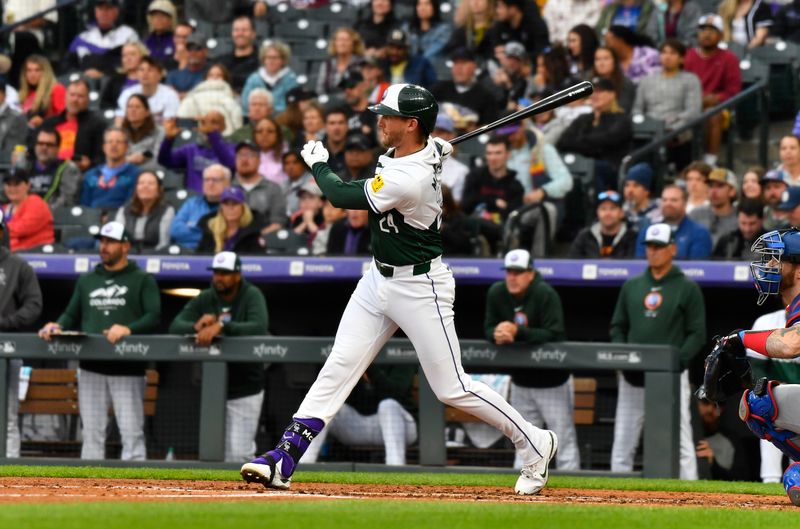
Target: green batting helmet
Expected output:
[409,101]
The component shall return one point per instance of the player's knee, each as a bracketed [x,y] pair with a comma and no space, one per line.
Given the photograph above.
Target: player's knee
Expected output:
[758,409]
[388,406]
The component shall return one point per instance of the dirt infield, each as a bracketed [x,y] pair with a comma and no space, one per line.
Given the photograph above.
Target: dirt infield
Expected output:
[50,490]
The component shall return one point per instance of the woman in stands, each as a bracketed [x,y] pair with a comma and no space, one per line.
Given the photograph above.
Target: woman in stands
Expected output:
[27,217]
[472,19]
[581,44]
[161,20]
[274,75]
[268,137]
[427,33]
[695,178]
[313,125]
[144,134]
[790,159]
[552,70]
[751,183]
[126,76]
[345,50]
[606,66]
[679,21]
[40,94]
[234,227]
[147,216]
[375,25]
[637,56]
[745,22]
[214,93]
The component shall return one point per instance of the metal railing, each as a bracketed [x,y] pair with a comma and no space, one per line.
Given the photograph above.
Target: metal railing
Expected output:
[660,365]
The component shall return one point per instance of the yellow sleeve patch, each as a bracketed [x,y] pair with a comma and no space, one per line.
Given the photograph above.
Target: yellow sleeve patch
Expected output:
[377,183]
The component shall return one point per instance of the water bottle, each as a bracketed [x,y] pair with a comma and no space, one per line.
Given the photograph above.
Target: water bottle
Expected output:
[170,454]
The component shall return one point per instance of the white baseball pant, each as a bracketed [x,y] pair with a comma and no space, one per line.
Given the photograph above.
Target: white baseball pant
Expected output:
[554,407]
[629,420]
[392,426]
[422,306]
[12,409]
[126,394]
[241,424]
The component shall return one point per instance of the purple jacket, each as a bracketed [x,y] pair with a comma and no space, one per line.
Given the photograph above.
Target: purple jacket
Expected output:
[194,158]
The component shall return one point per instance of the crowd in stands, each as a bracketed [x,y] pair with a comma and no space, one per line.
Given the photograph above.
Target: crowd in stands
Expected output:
[186,129]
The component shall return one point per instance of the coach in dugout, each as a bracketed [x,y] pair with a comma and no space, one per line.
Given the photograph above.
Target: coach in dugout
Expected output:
[231,307]
[116,299]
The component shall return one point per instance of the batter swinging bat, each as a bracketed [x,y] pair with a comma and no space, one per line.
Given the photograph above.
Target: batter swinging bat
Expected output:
[568,95]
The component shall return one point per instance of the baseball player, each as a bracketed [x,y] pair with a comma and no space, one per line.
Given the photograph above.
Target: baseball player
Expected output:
[406,287]
[768,407]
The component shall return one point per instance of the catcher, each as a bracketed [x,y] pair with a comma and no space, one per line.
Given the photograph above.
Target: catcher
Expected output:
[767,407]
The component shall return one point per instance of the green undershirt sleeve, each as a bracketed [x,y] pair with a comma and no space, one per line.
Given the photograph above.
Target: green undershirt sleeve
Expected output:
[347,195]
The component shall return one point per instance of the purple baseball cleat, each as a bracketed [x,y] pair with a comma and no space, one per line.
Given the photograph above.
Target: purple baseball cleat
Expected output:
[268,470]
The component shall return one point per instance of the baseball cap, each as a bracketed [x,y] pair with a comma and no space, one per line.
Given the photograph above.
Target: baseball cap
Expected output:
[19,175]
[602,83]
[162,6]
[358,142]
[311,188]
[642,174]
[115,231]
[397,38]
[299,93]
[725,176]
[232,194]
[247,144]
[790,199]
[659,234]
[711,19]
[463,54]
[226,262]
[518,260]
[197,39]
[444,122]
[609,196]
[515,49]
[351,78]
[773,175]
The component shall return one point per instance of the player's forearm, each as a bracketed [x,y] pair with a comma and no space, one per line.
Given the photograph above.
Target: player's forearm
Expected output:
[783,343]
[347,195]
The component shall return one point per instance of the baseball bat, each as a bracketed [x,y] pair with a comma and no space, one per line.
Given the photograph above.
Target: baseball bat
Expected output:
[568,95]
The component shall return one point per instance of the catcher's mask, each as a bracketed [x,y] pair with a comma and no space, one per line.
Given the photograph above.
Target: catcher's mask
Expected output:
[772,248]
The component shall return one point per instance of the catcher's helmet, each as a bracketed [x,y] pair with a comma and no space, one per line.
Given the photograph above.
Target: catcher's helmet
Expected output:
[772,248]
[409,101]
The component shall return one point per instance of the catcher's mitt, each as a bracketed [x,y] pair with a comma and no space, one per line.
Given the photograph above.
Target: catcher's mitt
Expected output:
[727,370]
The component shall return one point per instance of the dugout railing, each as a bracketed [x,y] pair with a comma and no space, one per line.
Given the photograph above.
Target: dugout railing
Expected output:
[659,363]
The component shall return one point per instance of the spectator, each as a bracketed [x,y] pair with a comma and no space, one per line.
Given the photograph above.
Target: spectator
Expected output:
[581,43]
[719,75]
[116,299]
[719,216]
[379,411]
[13,127]
[493,191]
[243,60]
[194,157]
[58,182]
[145,136]
[552,70]
[722,449]
[454,171]
[350,236]
[180,35]
[313,128]
[147,216]
[473,18]
[344,51]
[263,196]
[638,16]
[259,107]
[162,17]
[335,137]
[751,183]
[636,54]
[401,67]
[81,129]
[185,78]
[308,218]
[375,25]
[372,71]
[427,33]
[789,153]
[298,100]
[553,123]
[298,174]
[524,309]
[40,94]
[126,75]
[27,218]
[774,185]
[96,51]
[604,135]
[736,243]
[511,79]
[607,66]
[356,98]
[745,22]
[213,94]
[110,184]
[610,236]
[696,177]
[519,21]
[640,209]
[786,24]
[15,11]
[787,210]
[20,307]
[231,307]
[214,12]
[162,99]
[672,96]
[692,240]
[564,16]
[359,158]
[674,314]
[330,214]
[269,139]
[274,75]
[185,229]
[233,228]
[465,89]
[678,21]
[458,231]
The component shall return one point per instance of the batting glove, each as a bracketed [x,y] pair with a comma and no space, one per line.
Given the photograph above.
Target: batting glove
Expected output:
[445,149]
[314,152]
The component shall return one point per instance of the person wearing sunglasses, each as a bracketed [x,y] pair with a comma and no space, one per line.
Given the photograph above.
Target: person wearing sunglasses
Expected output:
[57,181]
[610,236]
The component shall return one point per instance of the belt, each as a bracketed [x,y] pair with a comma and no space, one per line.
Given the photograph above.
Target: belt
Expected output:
[389,270]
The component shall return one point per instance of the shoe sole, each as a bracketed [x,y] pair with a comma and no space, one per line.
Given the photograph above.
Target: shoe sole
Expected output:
[253,476]
[553,452]
[794,495]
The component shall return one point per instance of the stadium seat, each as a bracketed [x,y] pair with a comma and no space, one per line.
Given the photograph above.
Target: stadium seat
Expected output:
[79,238]
[646,128]
[311,50]
[171,180]
[76,216]
[219,46]
[336,14]
[177,197]
[286,242]
[300,30]
[782,59]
